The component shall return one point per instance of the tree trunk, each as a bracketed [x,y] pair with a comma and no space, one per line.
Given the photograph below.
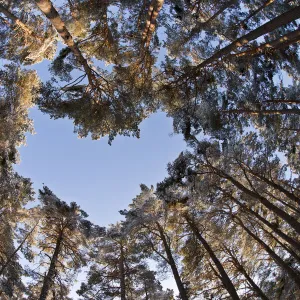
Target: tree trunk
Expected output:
[263,112]
[295,276]
[282,42]
[277,22]
[284,236]
[202,25]
[17,22]
[285,247]
[279,212]
[52,15]
[122,275]
[264,5]
[274,185]
[16,251]
[51,271]
[153,11]
[180,286]
[283,100]
[241,269]
[228,285]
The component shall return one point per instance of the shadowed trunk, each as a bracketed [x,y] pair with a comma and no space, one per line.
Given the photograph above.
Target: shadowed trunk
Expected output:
[180,286]
[51,271]
[284,236]
[16,251]
[153,11]
[242,270]
[122,275]
[295,276]
[270,26]
[263,112]
[17,22]
[276,210]
[228,285]
[52,15]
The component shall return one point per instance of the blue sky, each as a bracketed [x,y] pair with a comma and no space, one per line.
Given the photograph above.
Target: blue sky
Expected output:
[102,179]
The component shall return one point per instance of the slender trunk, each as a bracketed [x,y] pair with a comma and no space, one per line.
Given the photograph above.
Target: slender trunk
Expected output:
[295,276]
[52,15]
[284,236]
[256,11]
[154,9]
[241,269]
[228,285]
[285,247]
[17,22]
[279,212]
[180,286]
[263,112]
[277,22]
[51,271]
[254,286]
[282,42]
[122,275]
[275,185]
[202,25]
[291,129]
[282,101]
[16,250]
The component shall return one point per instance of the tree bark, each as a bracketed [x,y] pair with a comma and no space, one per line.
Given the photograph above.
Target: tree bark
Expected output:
[279,212]
[228,285]
[202,25]
[274,185]
[282,42]
[277,22]
[295,276]
[241,269]
[52,15]
[153,11]
[263,112]
[180,286]
[51,271]
[122,274]
[17,22]
[282,101]
[284,236]
[16,251]
[264,5]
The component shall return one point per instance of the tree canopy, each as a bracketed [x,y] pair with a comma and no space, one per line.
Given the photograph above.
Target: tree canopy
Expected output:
[225,222]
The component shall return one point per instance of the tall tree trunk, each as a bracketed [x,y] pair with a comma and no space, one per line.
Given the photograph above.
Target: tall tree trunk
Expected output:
[202,25]
[122,274]
[283,100]
[282,42]
[284,246]
[16,250]
[256,11]
[242,270]
[17,22]
[284,236]
[153,11]
[228,285]
[279,212]
[52,15]
[51,271]
[292,111]
[277,22]
[274,185]
[295,276]
[180,286]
